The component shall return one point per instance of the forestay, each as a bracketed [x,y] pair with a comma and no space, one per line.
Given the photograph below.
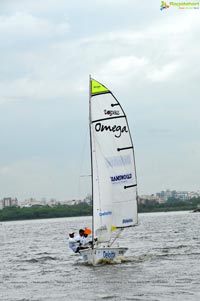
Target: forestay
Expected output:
[113,164]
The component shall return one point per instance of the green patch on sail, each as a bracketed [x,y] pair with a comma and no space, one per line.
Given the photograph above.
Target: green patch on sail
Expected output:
[98,88]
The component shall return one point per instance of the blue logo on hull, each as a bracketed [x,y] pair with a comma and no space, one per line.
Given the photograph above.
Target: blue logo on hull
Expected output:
[109,254]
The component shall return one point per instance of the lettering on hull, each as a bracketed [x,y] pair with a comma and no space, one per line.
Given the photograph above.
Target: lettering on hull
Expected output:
[109,254]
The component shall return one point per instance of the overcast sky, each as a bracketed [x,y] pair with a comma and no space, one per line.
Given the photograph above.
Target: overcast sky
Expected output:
[148,58]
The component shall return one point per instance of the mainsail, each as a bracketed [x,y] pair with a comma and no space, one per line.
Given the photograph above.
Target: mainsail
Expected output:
[113,165]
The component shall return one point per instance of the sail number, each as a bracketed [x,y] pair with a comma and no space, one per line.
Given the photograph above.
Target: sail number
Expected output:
[109,254]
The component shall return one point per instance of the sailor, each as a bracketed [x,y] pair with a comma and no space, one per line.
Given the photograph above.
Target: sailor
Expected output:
[72,242]
[80,237]
[77,243]
[86,240]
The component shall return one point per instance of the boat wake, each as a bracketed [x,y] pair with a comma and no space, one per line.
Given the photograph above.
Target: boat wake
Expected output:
[118,260]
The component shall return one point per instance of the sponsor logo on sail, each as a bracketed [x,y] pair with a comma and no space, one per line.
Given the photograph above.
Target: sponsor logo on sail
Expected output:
[104,213]
[115,161]
[118,129]
[109,254]
[127,220]
[111,112]
[121,178]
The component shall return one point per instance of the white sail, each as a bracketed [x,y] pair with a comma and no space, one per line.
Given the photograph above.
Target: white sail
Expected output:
[113,164]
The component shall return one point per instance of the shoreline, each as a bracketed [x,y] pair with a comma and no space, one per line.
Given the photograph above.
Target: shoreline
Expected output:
[78,214]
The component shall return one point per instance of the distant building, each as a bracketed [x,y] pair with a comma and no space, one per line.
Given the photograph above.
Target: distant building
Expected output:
[154,198]
[193,194]
[53,202]
[165,195]
[69,202]
[181,195]
[72,202]
[1,204]
[8,202]
[30,202]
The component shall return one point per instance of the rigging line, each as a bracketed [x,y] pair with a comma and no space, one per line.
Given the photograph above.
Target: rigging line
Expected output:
[117,236]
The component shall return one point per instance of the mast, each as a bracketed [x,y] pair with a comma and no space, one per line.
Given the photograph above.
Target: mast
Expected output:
[91,164]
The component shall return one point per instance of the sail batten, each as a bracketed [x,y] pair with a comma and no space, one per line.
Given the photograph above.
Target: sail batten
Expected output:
[130,186]
[108,118]
[113,171]
[124,148]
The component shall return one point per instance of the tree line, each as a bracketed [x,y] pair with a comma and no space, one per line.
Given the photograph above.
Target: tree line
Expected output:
[36,212]
[171,204]
[84,209]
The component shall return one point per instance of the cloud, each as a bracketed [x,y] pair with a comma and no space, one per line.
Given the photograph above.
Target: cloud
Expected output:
[30,88]
[23,26]
[36,6]
[149,59]
[48,69]
[163,73]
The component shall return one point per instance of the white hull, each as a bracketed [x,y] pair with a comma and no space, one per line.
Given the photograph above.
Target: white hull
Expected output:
[102,254]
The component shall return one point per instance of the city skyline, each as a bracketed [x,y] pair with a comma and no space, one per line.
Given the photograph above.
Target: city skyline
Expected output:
[160,194]
[149,63]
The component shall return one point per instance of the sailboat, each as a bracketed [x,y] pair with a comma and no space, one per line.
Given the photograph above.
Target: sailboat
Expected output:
[114,181]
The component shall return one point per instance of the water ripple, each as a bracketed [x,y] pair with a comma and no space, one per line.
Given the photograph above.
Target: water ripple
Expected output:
[162,262]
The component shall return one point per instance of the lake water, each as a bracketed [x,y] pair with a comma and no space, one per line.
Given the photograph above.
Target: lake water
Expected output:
[162,263]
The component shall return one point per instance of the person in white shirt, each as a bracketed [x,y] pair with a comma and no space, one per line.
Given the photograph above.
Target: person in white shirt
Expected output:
[80,237]
[85,240]
[73,243]
[77,243]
